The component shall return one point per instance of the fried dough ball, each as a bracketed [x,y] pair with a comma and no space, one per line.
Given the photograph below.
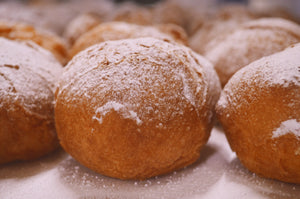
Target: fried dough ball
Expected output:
[116,31]
[132,13]
[214,29]
[136,108]
[27,77]
[252,41]
[80,25]
[169,13]
[259,109]
[47,40]
[176,32]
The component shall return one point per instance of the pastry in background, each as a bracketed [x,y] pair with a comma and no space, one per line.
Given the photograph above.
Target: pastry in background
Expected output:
[28,75]
[80,25]
[120,30]
[250,42]
[25,32]
[132,13]
[214,29]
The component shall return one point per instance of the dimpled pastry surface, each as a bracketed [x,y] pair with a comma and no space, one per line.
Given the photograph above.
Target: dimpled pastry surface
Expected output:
[259,109]
[136,108]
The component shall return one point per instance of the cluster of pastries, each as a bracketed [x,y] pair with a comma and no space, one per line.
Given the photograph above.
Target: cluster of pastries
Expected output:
[133,91]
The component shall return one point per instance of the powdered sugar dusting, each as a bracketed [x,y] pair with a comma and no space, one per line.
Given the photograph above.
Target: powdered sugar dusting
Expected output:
[250,43]
[280,69]
[109,106]
[110,31]
[132,76]
[31,56]
[288,126]
[27,75]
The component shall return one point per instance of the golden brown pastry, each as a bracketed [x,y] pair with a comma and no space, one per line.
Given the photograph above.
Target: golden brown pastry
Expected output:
[80,25]
[132,13]
[259,109]
[176,32]
[27,77]
[47,40]
[136,108]
[167,12]
[252,41]
[214,29]
[120,30]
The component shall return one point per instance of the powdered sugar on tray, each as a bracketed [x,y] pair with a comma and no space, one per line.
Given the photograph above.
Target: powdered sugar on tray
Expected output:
[288,126]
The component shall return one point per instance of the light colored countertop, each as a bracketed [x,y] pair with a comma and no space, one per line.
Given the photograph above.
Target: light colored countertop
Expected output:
[217,174]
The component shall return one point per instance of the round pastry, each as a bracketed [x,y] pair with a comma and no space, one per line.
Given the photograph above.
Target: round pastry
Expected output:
[169,12]
[132,13]
[116,31]
[80,25]
[136,108]
[27,77]
[47,40]
[259,109]
[176,32]
[252,41]
[214,29]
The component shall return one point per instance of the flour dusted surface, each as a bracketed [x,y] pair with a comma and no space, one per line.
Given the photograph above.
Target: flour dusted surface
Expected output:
[141,78]
[28,74]
[289,126]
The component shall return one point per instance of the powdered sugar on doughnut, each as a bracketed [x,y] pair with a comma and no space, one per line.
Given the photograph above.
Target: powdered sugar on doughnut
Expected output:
[288,126]
[119,30]
[132,76]
[31,56]
[27,75]
[250,42]
[110,106]
[280,69]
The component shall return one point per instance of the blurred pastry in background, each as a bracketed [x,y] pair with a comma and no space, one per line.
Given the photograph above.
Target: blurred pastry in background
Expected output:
[28,74]
[250,42]
[45,39]
[80,25]
[226,19]
[120,30]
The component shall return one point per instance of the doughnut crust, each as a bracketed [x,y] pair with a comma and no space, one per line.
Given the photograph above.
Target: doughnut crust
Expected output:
[136,108]
[47,40]
[27,76]
[215,26]
[250,42]
[80,25]
[259,109]
[120,30]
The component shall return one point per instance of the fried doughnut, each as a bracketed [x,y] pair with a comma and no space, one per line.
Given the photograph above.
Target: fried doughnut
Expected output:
[132,13]
[252,41]
[80,25]
[214,29]
[260,112]
[27,77]
[47,40]
[136,108]
[118,30]
[167,12]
